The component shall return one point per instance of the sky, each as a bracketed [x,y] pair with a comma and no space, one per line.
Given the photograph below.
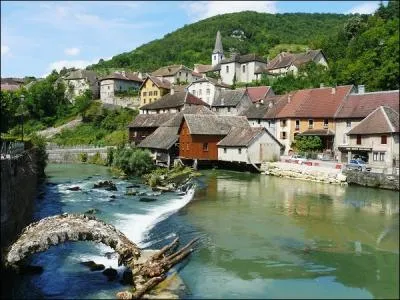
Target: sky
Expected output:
[39,36]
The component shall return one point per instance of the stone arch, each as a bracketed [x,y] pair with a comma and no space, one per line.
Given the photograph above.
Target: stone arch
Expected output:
[51,231]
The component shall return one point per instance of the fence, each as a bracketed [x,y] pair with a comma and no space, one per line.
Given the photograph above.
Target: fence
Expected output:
[11,149]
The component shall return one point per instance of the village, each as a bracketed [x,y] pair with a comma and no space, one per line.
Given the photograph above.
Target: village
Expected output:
[199,117]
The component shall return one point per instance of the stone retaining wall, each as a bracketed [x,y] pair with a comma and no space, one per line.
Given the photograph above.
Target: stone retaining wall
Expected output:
[376,180]
[72,155]
[304,172]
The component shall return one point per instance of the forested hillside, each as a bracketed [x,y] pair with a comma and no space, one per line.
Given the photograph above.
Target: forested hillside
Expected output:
[244,31]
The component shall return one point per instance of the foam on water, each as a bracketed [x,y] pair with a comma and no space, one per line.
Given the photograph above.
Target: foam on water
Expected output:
[137,226]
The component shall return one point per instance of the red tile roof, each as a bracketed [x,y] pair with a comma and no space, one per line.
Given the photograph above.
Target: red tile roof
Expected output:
[314,103]
[382,120]
[192,99]
[360,105]
[258,92]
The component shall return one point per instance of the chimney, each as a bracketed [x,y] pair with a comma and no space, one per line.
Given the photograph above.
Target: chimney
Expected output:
[262,101]
[289,98]
[123,73]
[321,85]
[361,89]
[270,104]
[219,81]
[258,104]
[333,92]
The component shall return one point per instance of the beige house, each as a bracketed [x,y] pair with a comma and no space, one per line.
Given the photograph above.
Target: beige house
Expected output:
[205,88]
[377,138]
[231,102]
[77,82]
[176,74]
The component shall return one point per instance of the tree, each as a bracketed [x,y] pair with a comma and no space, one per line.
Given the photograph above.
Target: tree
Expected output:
[307,143]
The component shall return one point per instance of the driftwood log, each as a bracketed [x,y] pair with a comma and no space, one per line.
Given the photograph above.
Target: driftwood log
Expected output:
[39,236]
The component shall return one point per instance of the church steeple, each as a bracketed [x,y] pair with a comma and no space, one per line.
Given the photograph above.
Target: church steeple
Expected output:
[218,53]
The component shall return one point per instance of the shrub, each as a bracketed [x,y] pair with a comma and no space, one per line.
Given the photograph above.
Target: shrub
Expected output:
[110,156]
[96,159]
[133,161]
[39,146]
[83,157]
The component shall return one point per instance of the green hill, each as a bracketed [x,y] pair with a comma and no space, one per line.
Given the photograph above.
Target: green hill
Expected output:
[245,31]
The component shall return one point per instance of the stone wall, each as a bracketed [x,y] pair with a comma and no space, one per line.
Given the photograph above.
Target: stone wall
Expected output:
[72,155]
[304,172]
[377,180]
[18,191]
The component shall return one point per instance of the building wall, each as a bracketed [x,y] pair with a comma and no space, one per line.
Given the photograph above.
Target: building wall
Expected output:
[280,129]
[137,135]
[225,111]
[267,124]
[341,138]
[148,87]
[199,89]
[216,58]
[318,124]
[264,148]
[191,146]
[76,87]
[228,77]
[181,76]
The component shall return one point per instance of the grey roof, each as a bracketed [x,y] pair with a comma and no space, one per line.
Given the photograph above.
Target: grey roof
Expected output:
[82,74]
[240,136]
[178,99]
[150,120]
[161,83]
[218,44]
[228,98]
[126,76]
[244,58]
[177,119]
[285,59]
[212,81]
[270,107]
[213,124]
[170,70]
[162,138]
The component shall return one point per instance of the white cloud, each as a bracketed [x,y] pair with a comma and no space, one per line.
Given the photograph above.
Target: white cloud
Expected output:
[199,10]
[79,64]
[364,8]
[72,51]
[4,50]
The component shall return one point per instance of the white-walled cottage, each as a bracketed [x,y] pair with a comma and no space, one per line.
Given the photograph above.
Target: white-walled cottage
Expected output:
[205,88]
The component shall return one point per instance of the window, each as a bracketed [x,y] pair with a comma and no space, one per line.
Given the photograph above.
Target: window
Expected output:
[326,123]
[224,150]
[240,150]
[283,135]
[144,101]
[382,156]
[180,73]
[297,124]
[375,156]
[207,91]
[348,124]
[205,146]
[227,69]
[384,139]
[310,124]
[144,94]
[244,68]
[344,139]
[108,87]
[358,139]
[229,109]
[199,92]
[259,121]
[150,93]
[283,123]
[153,85]
[269,123]
[194,92]
[215,57]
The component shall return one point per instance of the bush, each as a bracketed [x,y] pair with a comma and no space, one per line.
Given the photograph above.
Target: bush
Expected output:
[133,161]
[39,146]
[83,157]
[96,159]
[110,156]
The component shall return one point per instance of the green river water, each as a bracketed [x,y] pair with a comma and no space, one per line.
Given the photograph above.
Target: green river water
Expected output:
[260,237]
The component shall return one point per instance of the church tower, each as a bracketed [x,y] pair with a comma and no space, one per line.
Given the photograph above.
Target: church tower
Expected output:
[218,53]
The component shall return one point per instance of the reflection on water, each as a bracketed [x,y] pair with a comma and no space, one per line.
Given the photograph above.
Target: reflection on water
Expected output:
[274,229]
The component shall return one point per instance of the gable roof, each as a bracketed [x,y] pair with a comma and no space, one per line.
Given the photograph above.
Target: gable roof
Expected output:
[240,136]
[203,68]
[314,103]
[267,110]
[165,136]
[382,120]
[285,59]
[126,76]
[170,70]
[178,99]
[257,93]
[213,124]
[150,120]
[212,81]
[243,59]
[361,105]
[160,83]
[228,98]
[82,74]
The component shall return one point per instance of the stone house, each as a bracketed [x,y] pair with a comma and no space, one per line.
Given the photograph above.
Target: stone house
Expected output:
[263,113]
[173,102]
[286,62]
[230,102]
[205,88]
[11,84]
[176,74]
[77,82]
[249,145]
[356,107]
[117,85]
[310,112]
[378,136]
[153,89]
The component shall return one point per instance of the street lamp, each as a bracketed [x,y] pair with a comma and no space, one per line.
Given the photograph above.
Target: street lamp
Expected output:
[22,98]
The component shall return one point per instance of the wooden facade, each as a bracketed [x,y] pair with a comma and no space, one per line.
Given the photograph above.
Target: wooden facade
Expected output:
[201,147]
[136,135]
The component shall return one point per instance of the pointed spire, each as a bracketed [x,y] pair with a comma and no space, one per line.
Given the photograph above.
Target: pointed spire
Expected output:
[218,44]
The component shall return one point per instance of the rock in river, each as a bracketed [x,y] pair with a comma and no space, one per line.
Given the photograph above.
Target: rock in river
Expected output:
[110,273]
[107,184]
[74,188]
[93,266]
[145,199]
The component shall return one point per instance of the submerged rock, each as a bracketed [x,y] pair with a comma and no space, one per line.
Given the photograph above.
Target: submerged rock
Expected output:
[127,277]
[145,199]
[107,184]
[111,255]
[130,192]
[111,274]
[93,266]
[113,197]
[133,186]
[92,211]
[74,188]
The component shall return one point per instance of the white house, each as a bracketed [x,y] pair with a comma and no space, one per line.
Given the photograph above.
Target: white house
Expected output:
[230,102]
[116,85]
[77,82]
[176,74]
[249,145]
[206,87]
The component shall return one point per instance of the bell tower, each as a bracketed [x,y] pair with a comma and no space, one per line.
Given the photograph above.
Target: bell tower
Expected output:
[218,53]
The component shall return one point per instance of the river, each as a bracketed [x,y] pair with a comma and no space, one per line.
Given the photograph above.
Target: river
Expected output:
[260,237]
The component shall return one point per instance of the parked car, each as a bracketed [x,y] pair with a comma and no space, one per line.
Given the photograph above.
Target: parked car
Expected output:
[298,158]
[359,165]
